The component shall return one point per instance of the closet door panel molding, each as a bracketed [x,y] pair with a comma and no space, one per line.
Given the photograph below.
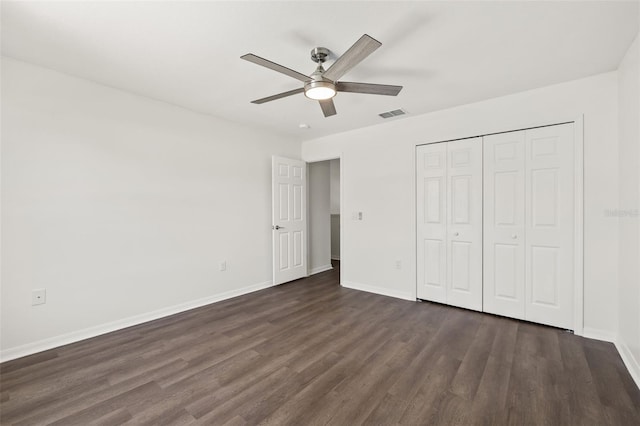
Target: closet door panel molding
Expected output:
[504,224]
[550,225]
[464,223]
[431,168]
[449,222]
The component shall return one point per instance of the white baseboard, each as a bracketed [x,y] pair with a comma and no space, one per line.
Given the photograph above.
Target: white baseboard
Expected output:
[378,290]
[594,333]
[335,257]
[76,336]
[632,364]
[319,269]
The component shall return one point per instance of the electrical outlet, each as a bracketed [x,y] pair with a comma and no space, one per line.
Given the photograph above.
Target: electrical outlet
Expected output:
[398,264]
[223,266]
[38,296]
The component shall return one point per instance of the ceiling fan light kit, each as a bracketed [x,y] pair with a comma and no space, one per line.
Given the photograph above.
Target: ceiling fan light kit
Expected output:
[319,90]
[323,84]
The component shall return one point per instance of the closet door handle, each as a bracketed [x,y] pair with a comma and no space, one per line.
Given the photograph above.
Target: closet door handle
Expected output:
[514,236]
[455,234]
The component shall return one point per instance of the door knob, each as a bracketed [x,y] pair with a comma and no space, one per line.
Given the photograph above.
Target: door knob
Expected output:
[514,236]
[277,227]
[455,234]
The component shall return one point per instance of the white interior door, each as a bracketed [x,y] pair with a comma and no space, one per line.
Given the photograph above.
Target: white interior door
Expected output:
[464,223]
[431,186]
[549,247]
[504,224]
[289,219]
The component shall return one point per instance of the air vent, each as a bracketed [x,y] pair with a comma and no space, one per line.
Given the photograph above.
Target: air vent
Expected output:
[394,113]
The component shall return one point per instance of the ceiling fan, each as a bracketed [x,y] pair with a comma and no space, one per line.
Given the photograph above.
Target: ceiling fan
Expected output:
[322,85]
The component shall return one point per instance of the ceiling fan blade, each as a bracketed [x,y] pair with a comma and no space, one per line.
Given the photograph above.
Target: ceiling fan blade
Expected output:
[372,89]
[352,57]
[278,96]
[276,67]
[328,107]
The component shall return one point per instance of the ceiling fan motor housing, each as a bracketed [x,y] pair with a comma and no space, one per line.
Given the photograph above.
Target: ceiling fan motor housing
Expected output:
[319,54]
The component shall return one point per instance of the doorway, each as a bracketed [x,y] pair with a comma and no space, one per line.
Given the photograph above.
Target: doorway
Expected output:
[324,215]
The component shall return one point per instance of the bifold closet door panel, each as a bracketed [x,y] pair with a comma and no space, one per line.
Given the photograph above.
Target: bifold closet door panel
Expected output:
[504,224]
[464,223]
[431,187]
[529,225]
[550,218]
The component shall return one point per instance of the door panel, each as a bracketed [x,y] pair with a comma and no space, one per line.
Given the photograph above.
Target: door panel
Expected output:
[544,197]
[431,222]
[505,272]
[544,276]
[550,225]
[434,257]
[433,192]
[504,224]
[464,223]
[460,190]
[461,265]
[505,197]
[289,216]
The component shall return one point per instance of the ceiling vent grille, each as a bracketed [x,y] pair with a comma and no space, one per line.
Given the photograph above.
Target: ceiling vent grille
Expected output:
[394,113]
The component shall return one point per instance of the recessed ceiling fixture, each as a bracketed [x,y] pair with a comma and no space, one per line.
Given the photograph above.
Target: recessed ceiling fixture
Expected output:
[304,126]
[322,85]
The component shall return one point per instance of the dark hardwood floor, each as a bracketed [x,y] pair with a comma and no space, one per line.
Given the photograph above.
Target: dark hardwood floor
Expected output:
[312,352]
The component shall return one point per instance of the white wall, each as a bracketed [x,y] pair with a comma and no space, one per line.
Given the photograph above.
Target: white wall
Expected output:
[378,179]
[319,218]
[122,207]
[629,205]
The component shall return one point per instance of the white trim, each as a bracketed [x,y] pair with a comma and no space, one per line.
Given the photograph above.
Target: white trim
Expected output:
[597,334]
[308,219]
[87,333]
[335,257]
[578,233]
[319,269]
[341,211]
[378,290]
[632,364]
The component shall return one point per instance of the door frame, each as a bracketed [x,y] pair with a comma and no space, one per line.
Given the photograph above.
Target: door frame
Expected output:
[578,203]
[342,219]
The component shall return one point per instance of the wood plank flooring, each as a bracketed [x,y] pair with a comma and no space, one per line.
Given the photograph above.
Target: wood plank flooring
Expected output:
[312,352]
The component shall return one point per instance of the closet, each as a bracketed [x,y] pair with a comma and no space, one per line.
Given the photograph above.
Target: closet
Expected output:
[496,224]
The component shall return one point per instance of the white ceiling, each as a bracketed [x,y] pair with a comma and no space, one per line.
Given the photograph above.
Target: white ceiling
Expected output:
[443,53]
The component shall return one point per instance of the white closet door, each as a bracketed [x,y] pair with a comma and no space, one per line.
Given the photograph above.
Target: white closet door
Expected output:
[549,198]
[464,223]
[504,224]
[431,176]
